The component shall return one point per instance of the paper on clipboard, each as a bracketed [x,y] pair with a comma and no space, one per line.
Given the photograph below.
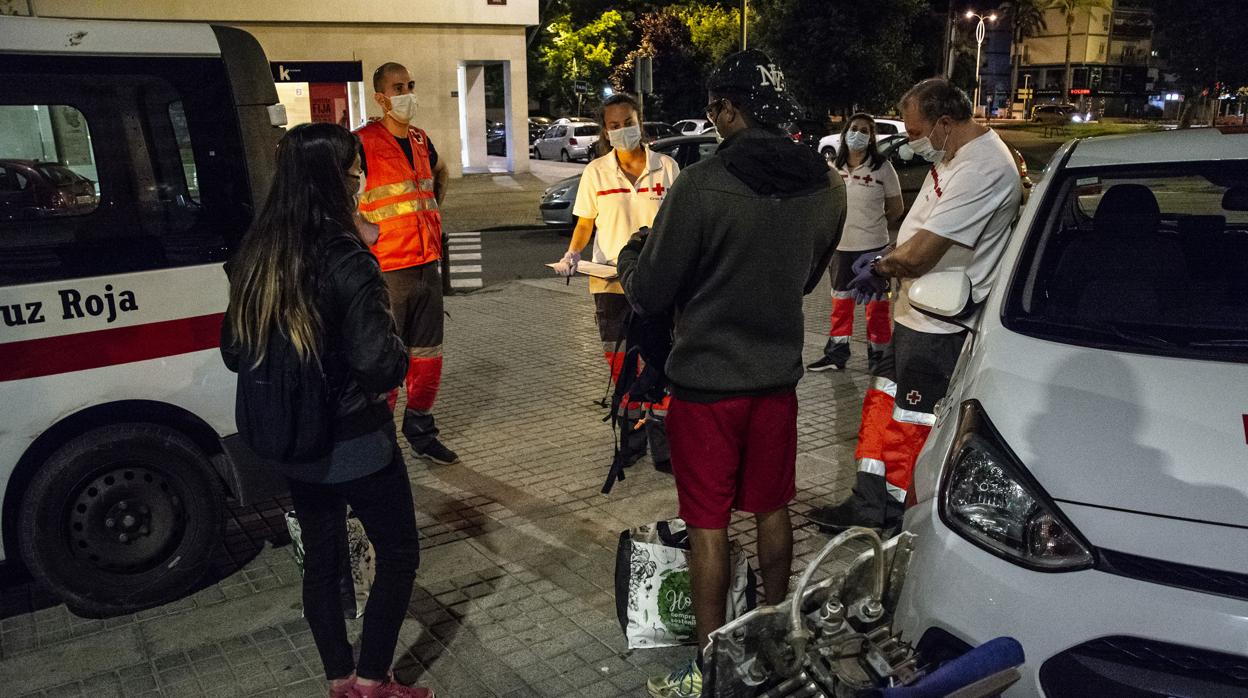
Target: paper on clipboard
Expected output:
[602,271]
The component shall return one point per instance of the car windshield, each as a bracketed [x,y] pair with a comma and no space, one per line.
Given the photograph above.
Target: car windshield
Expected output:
[1154,261]
[591,130]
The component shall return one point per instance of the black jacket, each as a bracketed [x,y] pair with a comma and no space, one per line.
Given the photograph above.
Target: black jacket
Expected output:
[362,352]
[740,238]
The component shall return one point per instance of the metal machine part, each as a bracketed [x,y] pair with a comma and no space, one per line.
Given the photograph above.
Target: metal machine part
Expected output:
[828,639]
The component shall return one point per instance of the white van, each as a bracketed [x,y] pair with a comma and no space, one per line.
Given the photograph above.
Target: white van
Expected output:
[117,442]
[1085,489]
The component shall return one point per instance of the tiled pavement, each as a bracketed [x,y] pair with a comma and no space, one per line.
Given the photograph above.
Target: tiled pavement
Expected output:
[514,595]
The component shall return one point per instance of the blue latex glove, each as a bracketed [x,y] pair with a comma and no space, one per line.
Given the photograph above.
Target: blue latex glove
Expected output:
[567,265]
[865,285]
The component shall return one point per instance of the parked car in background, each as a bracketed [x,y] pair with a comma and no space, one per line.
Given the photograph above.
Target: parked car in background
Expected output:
[652,131]
[556,203]
[1059,114]
[567,141]
[883,128]
[31,189]
[537,126]
[806,131]
[692,127]
[1083,488]
[495,138]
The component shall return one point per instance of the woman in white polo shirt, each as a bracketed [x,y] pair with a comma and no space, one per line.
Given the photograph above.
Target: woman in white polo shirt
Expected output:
[873,197]
[619,193]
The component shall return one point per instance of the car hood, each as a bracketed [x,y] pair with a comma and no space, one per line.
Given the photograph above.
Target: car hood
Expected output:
[571,183]
[1149,434]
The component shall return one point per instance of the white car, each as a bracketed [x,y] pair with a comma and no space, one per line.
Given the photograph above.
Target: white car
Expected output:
[884,128]
[1085,487]
[573,140]
[692,127]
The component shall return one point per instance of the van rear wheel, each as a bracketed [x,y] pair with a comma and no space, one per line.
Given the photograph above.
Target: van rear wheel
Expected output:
[122,518]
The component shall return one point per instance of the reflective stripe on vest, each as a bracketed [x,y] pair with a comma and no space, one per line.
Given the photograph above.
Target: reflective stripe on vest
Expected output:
[400,199]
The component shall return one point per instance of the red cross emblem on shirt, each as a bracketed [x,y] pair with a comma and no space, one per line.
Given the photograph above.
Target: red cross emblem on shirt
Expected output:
[658,188]
[868,179]
[913,397]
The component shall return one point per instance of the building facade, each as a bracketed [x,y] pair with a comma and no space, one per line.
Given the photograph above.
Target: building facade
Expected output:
[1111,51]
[323,56]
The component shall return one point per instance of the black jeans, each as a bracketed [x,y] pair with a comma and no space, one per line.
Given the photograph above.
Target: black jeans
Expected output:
[383,501]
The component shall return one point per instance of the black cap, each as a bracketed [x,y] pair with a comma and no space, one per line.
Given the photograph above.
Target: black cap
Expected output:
[754,75]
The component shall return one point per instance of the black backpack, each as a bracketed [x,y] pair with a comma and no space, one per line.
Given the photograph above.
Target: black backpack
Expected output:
[285,406]
[647,341]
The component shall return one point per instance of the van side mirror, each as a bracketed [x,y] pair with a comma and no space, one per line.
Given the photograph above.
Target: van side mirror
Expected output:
[944,294]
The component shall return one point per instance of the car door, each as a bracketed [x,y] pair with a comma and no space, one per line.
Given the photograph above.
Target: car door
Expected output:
[549,145]
[910,173]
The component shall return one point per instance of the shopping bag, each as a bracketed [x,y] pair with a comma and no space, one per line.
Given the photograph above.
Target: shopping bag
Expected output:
[358,563]
[653,600]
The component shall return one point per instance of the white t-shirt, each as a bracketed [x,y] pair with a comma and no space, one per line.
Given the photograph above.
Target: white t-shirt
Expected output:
[866,190]
[619,207]
[973,200]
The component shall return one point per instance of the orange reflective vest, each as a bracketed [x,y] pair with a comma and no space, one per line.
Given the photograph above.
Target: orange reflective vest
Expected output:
[399,198]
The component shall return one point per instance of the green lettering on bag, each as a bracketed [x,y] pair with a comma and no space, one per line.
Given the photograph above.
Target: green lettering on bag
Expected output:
[676,603]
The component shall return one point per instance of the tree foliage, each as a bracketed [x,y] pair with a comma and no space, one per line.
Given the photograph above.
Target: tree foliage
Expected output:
[678,72]
[588,52]
[836,56]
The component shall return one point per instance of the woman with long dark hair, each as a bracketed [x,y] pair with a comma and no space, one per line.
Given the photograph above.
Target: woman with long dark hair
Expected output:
[873,198]
[303,279]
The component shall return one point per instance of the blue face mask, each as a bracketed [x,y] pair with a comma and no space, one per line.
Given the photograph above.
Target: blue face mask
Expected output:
[857,141]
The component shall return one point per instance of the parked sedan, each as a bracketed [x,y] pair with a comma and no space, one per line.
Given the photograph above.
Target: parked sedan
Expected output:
[692,127]
[556,203]
[1059,114]
[567,142]
[30,189]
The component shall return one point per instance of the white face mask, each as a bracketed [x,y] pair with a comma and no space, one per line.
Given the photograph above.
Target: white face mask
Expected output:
[403,108]
[857,141]
[924,149]
[627,138]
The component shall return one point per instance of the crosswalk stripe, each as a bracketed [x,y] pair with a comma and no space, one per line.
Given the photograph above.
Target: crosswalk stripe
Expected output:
[466,283]
[465,268]
[464,248]
[464,235]
[468,256]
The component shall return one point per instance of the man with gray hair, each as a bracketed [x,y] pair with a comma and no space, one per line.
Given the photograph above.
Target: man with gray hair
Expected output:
[959,222]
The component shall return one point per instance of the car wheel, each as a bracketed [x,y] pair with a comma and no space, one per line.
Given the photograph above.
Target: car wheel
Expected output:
[564,157]
[537,152]
[829,154]
[121,518]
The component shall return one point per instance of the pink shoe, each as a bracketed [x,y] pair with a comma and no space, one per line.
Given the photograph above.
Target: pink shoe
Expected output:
[389,689]
[341,688]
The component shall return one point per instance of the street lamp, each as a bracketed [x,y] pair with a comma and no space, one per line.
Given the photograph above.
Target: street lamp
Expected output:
[979,42]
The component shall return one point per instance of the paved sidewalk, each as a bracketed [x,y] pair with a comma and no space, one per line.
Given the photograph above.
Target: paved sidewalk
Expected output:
[514,596]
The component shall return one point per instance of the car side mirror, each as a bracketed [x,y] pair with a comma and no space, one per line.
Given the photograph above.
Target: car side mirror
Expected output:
[945,294]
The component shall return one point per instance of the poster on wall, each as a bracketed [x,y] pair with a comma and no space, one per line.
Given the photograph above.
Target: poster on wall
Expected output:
[329,103]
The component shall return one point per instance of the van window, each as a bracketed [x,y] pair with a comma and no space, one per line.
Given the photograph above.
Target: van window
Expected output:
[117,165]
[1152,261]
[47,166]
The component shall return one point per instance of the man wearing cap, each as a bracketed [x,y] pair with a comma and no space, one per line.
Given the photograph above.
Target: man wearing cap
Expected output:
[742,236]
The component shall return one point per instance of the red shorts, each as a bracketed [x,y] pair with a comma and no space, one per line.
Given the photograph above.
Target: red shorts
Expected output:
[739,453]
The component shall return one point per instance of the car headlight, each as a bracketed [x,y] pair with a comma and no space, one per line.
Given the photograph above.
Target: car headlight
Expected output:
[989,498]
[1077,119]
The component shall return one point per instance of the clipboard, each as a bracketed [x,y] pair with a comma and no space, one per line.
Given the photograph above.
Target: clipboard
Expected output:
[601,271]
